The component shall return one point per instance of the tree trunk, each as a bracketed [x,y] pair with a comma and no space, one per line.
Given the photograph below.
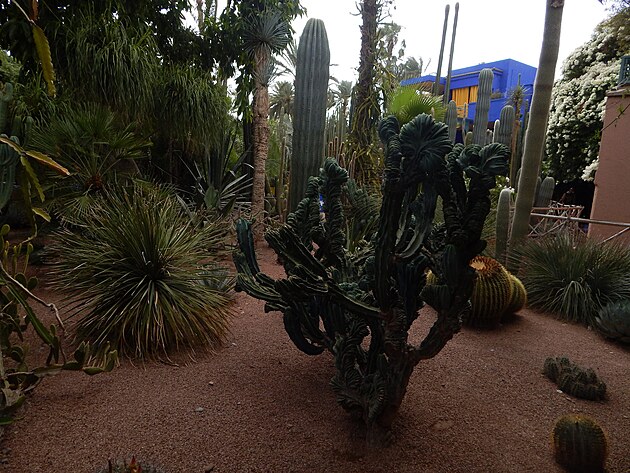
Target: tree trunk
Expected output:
[260,122]
[366,110]
[536,131]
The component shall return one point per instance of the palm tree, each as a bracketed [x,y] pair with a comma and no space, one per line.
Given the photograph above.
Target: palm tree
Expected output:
[342,93]
[267,34]
[288,60]
[412,68]
[535,137]
[281,99]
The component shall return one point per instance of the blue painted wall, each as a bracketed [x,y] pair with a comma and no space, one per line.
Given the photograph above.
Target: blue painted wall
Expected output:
[506,75]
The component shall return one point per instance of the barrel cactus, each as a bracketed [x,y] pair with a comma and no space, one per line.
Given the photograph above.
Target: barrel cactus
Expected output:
[492,293]
[309,110]
[518,297]
[613,321]
[580,444]
[574,380]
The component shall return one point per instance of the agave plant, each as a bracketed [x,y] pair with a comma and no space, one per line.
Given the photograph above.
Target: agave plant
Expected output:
[613,321]
[135,275]
[573,277]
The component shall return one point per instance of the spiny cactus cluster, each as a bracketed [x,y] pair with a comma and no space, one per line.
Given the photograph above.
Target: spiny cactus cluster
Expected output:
[133,466]
[574,380]
[613,321]
[580,444]
[360,307]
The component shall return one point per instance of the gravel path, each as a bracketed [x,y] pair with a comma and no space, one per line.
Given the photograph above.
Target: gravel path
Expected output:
[260,405]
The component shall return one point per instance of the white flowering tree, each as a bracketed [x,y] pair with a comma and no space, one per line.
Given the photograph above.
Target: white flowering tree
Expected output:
[578,100]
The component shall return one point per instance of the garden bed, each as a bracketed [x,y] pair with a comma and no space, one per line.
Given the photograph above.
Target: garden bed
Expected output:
[260,405]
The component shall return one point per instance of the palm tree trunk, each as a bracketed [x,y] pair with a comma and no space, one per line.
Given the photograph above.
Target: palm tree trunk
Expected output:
[536,131]
[260,122]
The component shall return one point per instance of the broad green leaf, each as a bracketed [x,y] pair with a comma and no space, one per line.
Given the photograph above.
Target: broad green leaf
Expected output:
[47,161]
[39,327]
[32,177]
[43,51]
[41,213]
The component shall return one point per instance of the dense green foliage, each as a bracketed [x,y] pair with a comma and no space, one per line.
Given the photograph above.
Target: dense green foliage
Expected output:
[573,277]
[139,276]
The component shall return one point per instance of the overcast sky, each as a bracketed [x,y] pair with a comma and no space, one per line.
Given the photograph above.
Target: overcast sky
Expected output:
[486,30]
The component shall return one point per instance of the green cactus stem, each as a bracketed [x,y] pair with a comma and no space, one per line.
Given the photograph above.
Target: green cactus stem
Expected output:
[309,111]
[450,118]
[518,299]
[502,225]
[580,444]
[486,76]
[503,133]
[9,160]
[545,192]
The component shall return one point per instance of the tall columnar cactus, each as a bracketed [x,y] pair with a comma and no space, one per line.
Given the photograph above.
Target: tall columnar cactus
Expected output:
[545,192]
[451,120]
[486,76]
[6,95]
[580,444]
[335,300]
[502,225]
[438,75]
[309,110]
[503,133]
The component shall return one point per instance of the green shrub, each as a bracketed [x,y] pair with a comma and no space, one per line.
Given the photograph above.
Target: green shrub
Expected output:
[139,275]
[573,277]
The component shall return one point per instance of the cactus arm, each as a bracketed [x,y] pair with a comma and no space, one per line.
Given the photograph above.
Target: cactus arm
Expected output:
[480,126]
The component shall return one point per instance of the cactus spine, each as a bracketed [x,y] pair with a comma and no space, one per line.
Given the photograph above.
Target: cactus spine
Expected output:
[580,444]
[503,133]
[545,192]
[309,120]
[451,120]
[6,95]
[502,225]
[482,110]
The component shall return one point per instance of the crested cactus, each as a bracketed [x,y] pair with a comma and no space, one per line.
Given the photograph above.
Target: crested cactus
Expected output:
[309,110]
[492,293]
[502,226]
[503,132]
[574,380]
[580,444]
[613,321]
[486,76]
[545,192]
[6,95]
[332,299]
[451,120]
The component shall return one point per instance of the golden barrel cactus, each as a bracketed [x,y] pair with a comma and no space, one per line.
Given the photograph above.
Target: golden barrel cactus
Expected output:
[580,444]
[492,293]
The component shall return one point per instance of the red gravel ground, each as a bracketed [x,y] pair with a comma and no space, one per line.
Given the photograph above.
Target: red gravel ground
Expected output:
[260,405]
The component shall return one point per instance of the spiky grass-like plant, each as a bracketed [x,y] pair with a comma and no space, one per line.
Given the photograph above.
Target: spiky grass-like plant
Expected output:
[573,277]
[137,275]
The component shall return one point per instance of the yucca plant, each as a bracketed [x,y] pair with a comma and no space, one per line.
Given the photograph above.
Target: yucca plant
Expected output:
[139,275]
[573,277]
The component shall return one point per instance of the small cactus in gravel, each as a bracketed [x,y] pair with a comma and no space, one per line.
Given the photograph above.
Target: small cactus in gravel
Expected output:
[580,444]
[574,380]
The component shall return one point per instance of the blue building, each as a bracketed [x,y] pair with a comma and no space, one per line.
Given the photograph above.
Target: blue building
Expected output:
[465,83]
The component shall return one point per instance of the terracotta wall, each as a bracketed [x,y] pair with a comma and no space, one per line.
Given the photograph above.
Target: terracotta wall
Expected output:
[612,180]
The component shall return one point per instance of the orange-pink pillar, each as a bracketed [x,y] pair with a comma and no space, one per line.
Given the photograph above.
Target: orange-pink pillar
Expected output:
[611,201]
